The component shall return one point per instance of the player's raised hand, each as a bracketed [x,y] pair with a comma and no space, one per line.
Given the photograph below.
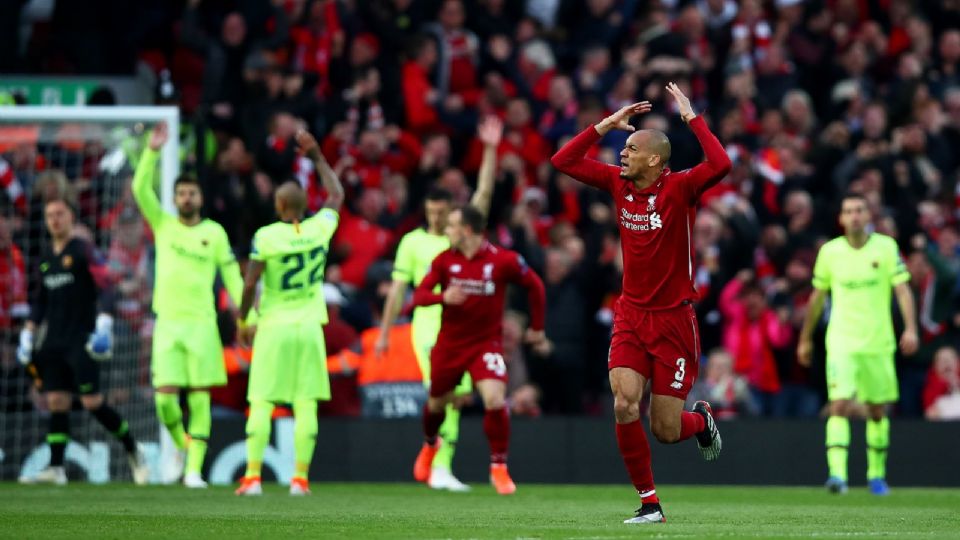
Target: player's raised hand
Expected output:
[490,131]
[307,144]
[454,296]
[159,136]
[805,352]
[621,119]
[683,102]
[381,345]
[909,342]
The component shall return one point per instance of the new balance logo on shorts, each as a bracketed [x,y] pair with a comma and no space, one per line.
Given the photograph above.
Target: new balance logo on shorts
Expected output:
[676,385]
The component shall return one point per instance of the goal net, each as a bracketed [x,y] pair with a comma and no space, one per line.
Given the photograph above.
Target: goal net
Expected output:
[92,152]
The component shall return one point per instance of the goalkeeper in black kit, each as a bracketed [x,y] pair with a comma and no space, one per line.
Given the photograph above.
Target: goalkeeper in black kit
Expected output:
[65,339]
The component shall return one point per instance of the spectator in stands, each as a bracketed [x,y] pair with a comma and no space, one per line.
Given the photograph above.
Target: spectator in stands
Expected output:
[941,393]
[753,334]
[727,392]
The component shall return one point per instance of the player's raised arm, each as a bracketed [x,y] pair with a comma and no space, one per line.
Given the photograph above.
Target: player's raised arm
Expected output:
[331,183]
[716,163]
[490,133]
[571,158]
[144,178]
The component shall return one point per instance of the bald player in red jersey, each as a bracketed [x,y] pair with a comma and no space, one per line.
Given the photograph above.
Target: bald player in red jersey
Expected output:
[655,335]
[473,276]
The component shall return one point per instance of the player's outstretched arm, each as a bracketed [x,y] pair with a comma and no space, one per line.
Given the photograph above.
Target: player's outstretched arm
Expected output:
[145,177]
[571,158]
[391,308]
[490,133]
[329,179]
[229,268]
[716,163]
[814,310]
[254,271]
[909,340]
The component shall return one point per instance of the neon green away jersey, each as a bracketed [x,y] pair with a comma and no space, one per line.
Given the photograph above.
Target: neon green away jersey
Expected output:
[860,282]
[188,258]
[294,258]
[416,251]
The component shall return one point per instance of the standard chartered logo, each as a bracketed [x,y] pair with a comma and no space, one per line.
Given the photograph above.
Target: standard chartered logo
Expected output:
[640,222]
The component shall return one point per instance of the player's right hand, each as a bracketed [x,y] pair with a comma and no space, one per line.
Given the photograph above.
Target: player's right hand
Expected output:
[159,136]
[454,296]
[25,348]
[621,119]
[805,352]
[307,144]
[381,345]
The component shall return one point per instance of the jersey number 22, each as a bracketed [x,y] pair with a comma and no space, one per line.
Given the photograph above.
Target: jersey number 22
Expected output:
[297,263]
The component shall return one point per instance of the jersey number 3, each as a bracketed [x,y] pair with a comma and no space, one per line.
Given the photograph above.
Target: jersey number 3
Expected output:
[297,262]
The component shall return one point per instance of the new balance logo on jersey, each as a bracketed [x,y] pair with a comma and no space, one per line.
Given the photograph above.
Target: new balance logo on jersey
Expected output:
[454,268]
[629,197]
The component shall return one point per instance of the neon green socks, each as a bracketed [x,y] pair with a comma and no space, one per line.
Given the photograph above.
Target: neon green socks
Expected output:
[878,439]
[838,443]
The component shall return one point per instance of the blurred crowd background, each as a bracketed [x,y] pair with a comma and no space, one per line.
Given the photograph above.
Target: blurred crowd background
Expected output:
[811,98]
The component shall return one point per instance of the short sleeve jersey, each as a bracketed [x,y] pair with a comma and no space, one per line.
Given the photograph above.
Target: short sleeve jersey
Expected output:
[860,283]
[416,251]
[294,257]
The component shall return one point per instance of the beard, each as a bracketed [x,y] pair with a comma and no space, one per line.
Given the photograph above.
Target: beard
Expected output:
[188,213]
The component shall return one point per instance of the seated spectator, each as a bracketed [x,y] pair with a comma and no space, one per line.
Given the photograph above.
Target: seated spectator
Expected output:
[728,393]
[941,394]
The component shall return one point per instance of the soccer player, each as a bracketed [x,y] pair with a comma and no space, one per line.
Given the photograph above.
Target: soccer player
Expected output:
[187,352]
[473,276]
[416,251]
[655,335]
[858,270]
[289,356]
[75,339]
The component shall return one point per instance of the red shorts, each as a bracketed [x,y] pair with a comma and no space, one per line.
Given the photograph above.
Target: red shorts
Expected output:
[662,345]
[482,361]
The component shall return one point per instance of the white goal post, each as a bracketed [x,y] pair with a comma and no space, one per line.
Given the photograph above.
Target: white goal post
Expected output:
[169,158]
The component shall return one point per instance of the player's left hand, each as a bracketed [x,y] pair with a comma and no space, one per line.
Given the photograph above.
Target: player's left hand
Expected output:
[100,343]
[535,337]
[683,102]
[490,131]
[909,342]
[307,144]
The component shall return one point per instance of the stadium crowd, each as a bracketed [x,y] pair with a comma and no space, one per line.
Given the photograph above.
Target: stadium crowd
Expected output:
[811,99]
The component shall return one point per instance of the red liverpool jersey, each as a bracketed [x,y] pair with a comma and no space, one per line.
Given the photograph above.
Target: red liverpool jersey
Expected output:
[656,223]
[484,278]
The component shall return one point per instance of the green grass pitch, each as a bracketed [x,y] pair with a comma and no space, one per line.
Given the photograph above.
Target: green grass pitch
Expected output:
[390,511]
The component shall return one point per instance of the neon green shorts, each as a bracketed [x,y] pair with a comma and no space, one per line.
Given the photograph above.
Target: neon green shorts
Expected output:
[423,341]
[870,378]
[187,354]
[289,363]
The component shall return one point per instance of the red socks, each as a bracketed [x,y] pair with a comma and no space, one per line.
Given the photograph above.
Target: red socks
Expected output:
[635,450]
[431,424]
[691,423]
[496,424]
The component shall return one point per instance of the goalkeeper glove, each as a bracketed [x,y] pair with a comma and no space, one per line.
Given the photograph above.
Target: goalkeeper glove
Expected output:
[100,342]
[25,349]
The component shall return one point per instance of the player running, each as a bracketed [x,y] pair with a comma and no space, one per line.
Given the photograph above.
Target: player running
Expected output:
[187,352]
[289,356]
[655,333]
[416,251]
[858,269]
[74,339]
[473,276]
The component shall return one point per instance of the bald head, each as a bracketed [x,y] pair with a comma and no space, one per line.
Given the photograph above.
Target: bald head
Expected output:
[645,149]
[291,201]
